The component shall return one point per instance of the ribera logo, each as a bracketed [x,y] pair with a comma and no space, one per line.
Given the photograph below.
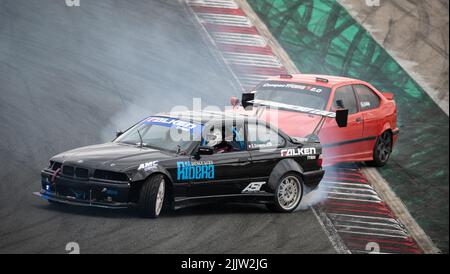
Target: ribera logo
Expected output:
[298,152]
[195,170]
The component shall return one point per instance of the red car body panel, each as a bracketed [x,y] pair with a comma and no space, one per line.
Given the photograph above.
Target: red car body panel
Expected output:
[354,143]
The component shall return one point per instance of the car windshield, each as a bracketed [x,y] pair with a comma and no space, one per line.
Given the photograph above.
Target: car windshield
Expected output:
[162,133]
[298,94]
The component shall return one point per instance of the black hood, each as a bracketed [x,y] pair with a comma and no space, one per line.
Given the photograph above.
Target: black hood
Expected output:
[111,156]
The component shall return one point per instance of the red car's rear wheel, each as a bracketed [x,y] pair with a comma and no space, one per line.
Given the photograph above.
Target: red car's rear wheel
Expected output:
[382,150]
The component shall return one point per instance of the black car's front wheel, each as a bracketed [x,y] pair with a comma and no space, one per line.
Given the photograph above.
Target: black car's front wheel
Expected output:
[382,150]
[288,194]
[151,197]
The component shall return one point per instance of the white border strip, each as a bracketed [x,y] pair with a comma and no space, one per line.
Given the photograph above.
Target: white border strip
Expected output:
[331,232]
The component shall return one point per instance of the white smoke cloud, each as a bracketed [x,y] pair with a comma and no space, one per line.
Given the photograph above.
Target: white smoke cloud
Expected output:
[316,196]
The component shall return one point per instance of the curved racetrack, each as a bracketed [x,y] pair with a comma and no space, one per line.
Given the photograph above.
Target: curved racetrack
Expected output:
[69,77]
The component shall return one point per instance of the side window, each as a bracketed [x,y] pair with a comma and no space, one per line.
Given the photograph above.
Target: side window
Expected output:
[236,137]
[224,137]
[367,98]
[261,137]
[347,96]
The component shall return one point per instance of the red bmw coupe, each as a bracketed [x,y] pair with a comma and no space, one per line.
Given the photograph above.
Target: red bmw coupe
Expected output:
[303,104]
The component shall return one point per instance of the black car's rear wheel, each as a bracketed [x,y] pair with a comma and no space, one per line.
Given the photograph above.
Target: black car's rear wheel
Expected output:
[288,194]
[151,197]
[382,150]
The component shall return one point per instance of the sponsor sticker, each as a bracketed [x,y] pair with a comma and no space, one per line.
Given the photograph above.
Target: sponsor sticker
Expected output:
[293,86]
[172,122]
[198,170]
[298,151]
[365,104]
[148,166]
[253,187]
[264,145]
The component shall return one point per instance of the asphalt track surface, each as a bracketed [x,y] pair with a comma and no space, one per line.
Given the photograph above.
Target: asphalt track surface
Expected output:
[69,77]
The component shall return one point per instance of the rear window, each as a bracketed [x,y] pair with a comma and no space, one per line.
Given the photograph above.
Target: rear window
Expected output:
[367,98]
[298,94]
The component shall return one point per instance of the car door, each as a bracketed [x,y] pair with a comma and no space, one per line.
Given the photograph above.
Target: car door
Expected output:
[346,143]
[369,105]
[227,170]
[264,145]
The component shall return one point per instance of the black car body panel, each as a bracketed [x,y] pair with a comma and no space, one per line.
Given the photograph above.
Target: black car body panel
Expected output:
[111,174]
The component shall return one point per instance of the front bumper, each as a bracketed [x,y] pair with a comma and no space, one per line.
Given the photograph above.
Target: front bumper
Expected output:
[87,192]
[395,134]
[77,202]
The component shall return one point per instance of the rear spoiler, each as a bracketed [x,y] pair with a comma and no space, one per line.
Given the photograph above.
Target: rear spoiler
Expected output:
[388,95]
[313,111]
[341,115]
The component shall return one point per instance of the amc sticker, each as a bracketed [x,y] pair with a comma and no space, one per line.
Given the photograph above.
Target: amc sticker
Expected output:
[148,166]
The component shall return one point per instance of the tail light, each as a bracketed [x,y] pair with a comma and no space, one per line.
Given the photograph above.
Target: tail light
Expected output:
[320,160]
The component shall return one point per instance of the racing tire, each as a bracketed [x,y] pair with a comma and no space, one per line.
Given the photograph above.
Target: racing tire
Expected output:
[382,150]
[288,193]
[151,197]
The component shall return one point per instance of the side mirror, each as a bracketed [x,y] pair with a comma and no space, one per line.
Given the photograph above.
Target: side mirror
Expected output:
[342,117]
[205,150]
[234,101]
[246,97]
[340,104]
[118,133]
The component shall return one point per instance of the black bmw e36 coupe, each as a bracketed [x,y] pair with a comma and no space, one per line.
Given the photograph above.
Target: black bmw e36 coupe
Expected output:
[169,161]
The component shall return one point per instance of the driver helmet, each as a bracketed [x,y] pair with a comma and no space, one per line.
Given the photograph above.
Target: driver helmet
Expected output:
[214,137]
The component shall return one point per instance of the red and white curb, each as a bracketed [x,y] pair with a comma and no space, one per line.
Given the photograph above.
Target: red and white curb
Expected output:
[243,49]
[353,214]
[360,216]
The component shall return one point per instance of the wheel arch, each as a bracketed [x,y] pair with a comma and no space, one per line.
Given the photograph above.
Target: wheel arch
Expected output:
[281,168]
[386,127]
[137,185]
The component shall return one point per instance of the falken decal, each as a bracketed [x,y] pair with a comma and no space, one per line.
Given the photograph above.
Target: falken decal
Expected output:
[199,170]
[148,166]
[298,151]
[171,122]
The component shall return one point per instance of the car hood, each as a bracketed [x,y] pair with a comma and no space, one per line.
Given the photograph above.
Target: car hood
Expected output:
[295,124]
[110,156]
